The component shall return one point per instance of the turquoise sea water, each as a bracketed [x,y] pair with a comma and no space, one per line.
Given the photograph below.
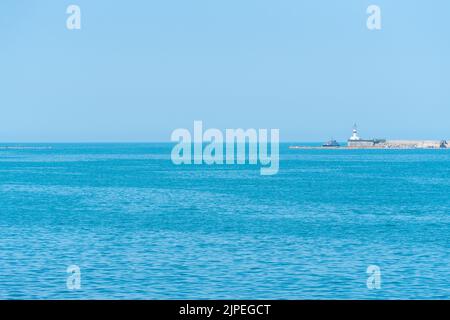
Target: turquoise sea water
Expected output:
[140,227]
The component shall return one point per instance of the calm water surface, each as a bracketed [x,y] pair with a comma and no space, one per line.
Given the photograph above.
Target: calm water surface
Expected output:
[140,227]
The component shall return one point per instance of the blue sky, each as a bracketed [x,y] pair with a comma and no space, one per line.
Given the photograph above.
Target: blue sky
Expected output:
[139,69]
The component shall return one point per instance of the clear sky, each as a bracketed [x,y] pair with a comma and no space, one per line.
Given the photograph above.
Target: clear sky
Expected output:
[138,69]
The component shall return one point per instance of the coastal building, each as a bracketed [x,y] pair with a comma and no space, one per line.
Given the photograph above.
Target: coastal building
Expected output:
[356,141]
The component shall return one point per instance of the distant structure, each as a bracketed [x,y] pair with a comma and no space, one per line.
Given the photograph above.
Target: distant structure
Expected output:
[356,141]
[331,144]
[355,136]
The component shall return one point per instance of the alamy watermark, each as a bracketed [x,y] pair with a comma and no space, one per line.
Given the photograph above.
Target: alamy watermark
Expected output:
[374,19]
[239,146]
[374,279]
[73,281]
[373,22]
[73,22]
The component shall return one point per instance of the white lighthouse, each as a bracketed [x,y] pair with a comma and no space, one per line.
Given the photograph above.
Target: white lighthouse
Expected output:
[355,136]
[356,141]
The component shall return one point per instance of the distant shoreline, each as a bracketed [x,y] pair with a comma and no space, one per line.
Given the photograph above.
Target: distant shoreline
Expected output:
[363,148]
[24,148]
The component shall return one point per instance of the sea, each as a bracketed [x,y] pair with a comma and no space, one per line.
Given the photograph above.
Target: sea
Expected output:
[139,227]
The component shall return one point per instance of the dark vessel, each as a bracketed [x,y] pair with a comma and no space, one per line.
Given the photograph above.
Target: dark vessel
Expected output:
[331,143]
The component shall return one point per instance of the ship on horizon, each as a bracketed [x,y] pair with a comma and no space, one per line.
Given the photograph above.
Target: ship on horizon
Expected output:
[331,143]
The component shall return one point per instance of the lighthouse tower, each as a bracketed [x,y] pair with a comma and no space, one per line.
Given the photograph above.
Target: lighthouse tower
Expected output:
[355,136]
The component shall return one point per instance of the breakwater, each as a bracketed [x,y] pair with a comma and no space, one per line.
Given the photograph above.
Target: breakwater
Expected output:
[387,144]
